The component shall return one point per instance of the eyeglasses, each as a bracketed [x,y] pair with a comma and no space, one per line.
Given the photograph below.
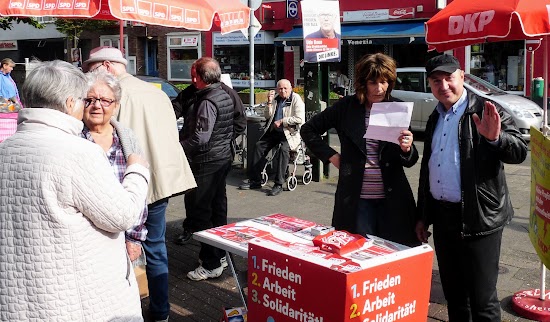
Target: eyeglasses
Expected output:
[97,67]
[105,102]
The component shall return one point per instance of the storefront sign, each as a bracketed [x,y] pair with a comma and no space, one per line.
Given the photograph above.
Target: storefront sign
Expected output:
[190,41]
[257,83]
[379,14]
[237,38]
[8,45]
[358,42]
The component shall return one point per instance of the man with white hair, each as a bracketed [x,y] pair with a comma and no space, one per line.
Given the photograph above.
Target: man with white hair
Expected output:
[147,110]
[285,114]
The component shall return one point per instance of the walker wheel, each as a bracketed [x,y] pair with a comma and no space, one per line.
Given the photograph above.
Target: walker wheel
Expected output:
[265,178]
[292,182]
[306,179]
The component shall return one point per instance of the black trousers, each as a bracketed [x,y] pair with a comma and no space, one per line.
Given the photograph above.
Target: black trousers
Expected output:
[468,267]
[270,140]
[206,206]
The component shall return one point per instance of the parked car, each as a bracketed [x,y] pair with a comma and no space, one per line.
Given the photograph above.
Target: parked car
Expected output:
[412,86]
[170,89]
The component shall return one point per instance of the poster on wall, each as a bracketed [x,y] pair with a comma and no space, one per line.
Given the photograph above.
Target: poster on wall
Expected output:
[539,217]
[322,30]
[76,57]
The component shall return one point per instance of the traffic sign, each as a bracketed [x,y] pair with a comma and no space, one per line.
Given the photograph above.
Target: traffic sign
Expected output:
[292,8]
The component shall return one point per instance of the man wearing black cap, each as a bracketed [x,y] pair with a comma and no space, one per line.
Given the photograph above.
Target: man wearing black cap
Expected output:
[463,192]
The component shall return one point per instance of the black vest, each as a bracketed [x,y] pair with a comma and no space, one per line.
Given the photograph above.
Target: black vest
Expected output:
[219,145]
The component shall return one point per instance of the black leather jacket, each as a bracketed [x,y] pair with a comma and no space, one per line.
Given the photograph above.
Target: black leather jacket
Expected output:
[486,205]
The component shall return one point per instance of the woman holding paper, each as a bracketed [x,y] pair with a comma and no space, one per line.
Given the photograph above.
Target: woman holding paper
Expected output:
[373,194]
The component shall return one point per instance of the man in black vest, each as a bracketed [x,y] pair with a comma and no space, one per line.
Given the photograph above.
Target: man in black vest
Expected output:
[207,136]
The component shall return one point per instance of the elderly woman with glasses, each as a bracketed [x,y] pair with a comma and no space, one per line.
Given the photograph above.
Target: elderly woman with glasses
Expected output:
[117,141]
[62,211]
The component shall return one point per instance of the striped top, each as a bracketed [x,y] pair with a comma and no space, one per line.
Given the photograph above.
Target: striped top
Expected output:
[373,186]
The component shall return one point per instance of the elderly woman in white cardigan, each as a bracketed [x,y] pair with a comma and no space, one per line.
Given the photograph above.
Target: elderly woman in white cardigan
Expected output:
[62,211]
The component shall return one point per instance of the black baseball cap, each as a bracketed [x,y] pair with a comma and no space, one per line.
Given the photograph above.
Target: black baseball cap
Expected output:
[444,63]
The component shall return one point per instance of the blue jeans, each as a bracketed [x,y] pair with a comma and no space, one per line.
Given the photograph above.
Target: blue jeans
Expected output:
[368,211]
[157,260]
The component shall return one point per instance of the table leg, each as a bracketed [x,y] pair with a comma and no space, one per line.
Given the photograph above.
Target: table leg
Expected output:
[240,280]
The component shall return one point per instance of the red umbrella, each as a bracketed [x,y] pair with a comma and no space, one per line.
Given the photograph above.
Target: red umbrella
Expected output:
[189,14]
[466,22]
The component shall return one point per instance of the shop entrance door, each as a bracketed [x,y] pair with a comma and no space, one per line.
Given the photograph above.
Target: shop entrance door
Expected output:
[151,54]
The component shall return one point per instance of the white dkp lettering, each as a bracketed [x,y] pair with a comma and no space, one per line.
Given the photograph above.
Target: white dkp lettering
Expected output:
[466,24]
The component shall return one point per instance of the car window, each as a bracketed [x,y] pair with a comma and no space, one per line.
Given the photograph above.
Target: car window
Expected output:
[410,81]
[169,90]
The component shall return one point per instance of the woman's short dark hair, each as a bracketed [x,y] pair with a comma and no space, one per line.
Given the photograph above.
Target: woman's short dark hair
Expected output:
[371,68]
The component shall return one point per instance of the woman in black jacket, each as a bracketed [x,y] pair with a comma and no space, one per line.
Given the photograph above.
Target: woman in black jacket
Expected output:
[373,194]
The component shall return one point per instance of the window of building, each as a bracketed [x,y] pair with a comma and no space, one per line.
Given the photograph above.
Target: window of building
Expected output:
[501,64]
[183,50]
[45,19]
[233,53]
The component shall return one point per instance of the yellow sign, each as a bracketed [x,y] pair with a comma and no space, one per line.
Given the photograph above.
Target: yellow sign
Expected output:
[539,219]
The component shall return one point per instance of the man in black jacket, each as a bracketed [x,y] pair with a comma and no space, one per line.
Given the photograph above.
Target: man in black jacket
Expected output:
[463,191]
[207,138]
[183,104]
[186,99]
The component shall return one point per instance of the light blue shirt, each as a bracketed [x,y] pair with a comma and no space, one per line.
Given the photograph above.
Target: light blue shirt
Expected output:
[444,162]
[7,86]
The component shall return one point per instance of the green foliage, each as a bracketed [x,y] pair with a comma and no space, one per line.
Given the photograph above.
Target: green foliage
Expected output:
[333,96]
[256,90]
[6,22]
[182,86]
[73,28]
[300,91]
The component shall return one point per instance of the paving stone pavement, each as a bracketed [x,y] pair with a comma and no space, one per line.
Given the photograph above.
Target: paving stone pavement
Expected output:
[202,301]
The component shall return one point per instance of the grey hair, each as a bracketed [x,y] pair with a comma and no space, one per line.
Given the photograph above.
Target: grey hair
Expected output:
[51,83]
[102,76]
[208,69]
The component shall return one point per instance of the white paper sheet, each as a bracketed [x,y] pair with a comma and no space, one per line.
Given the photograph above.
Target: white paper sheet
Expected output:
[388,119]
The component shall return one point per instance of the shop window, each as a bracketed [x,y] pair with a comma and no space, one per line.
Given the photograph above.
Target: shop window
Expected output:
[183,50]
[114,41]
[499,63]
[233,53]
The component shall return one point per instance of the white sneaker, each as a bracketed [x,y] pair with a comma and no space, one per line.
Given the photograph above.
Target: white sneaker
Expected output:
[223,262]
[201,273]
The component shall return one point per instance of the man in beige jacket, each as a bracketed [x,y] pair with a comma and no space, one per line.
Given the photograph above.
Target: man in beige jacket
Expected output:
[148,112]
